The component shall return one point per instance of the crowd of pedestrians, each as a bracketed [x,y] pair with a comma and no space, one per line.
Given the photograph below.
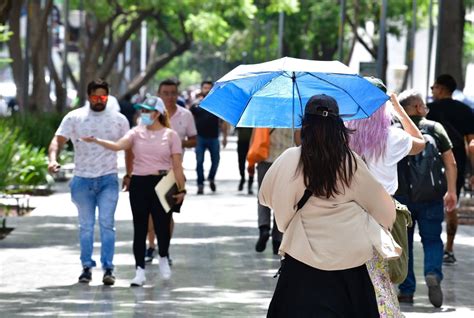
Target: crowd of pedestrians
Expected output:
[309,204]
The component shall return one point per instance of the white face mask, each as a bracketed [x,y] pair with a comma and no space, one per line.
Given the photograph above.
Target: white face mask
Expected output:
[145,119]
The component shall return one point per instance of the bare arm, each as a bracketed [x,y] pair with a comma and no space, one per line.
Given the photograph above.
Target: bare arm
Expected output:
[128,169]
[418,142]
[122,144]
[189,143]
[224,128]
[450,198]
[179,176]
[55,147]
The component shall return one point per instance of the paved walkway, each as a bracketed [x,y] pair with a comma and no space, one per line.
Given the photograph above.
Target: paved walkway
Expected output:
[216,272]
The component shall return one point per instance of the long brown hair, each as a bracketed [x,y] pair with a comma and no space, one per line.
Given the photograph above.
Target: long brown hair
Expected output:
[164,119]
[326,159]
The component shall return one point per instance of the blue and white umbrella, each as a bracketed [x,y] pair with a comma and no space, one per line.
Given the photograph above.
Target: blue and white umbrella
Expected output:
[273,94]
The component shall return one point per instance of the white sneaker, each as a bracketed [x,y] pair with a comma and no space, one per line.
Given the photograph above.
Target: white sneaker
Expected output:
[139,278]
[165,269]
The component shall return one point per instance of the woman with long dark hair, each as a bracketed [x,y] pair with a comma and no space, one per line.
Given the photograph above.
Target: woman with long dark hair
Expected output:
[157,150]
[326,242]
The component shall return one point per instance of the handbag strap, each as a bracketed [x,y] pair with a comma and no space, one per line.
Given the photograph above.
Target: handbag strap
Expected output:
[306,195]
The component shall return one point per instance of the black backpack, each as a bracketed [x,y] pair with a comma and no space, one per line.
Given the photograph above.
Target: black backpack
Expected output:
[421,177]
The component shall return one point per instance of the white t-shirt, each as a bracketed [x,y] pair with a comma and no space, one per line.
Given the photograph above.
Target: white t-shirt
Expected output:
[183,123]
[384,170]
[92,160]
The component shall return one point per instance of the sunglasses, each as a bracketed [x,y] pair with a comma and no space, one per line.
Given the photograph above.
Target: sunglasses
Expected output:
[99,98]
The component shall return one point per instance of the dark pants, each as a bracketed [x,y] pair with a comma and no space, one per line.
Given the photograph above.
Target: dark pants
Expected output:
[211,144]
[242,150]
[264,213]
[304,291]
[144,201]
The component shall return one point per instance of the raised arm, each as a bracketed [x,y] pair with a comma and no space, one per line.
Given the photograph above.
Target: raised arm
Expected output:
[418,142]
[123,143]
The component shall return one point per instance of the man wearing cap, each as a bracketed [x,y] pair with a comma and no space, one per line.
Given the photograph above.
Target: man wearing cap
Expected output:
[95,183]
[458,120]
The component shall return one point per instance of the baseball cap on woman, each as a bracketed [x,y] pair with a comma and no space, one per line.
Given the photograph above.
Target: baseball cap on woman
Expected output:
[153,103]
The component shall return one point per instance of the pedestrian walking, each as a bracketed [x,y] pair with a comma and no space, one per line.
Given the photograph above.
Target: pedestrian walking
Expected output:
[428,213]
[325,244]
[458,120]
[280,140]
[382,146]
[243,142]
[95,183]
[157,149]
[208,126]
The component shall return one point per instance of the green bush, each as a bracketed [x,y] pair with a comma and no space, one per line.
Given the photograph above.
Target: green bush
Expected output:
[22,166]
[35,129]
[8,148]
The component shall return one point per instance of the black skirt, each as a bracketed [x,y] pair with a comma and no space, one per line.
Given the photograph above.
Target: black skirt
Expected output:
[305,291]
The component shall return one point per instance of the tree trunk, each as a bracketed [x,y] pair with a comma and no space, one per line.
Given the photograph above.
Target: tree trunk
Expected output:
[39,58]
[450,40]
[14,48]
[5,7]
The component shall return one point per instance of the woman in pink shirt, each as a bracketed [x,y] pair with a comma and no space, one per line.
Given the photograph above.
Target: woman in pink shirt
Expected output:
[157,149]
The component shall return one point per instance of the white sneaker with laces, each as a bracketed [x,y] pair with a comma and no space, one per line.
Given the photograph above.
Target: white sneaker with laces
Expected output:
[139,278]
[165,269]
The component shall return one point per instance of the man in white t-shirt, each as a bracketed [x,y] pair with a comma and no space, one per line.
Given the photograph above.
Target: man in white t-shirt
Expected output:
[95,182]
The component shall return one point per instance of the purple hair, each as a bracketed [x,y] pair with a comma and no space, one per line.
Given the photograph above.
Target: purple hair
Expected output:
[370,137]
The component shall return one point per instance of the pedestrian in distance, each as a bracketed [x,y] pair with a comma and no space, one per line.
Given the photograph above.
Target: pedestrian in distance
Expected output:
[325,244]
[95,182]
[382,146]
[428,212]
[243,143]
[458,120]
[157,149]
[208,126]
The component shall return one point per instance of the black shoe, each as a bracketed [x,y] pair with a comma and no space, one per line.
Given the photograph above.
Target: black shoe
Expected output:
[262,241]
[448,258]
[276,246]
[109,278]
[200,189]
[213,186]
[241,184]
[86,275]
[435,294]
[170,261]
[405,299]
[149,255]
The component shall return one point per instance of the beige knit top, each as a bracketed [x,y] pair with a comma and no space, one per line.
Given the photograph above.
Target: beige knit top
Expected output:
[328,234]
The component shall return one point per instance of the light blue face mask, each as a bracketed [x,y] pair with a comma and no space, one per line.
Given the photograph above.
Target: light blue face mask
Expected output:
[145,119]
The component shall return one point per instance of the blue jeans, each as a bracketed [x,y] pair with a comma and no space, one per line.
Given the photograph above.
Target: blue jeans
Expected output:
[212,144]
[87,194]
[429,216]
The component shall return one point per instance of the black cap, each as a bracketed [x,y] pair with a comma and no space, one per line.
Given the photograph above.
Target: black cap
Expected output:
[447,81]
[377,82]
[322,105]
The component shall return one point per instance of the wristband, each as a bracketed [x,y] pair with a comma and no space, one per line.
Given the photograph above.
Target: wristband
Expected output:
[182,191]
[127,176]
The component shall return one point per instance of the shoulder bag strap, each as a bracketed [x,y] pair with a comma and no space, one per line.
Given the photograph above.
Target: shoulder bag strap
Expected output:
[307,194]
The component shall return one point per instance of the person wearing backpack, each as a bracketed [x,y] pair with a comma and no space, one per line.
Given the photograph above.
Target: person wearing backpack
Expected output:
[421,188]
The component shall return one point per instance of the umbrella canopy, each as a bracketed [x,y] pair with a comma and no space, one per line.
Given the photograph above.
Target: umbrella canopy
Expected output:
[273,94]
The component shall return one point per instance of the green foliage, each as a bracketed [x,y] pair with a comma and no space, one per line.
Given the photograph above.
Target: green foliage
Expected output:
[35,129]
[29,167]
[468,42]
[21,165]
[8,149]
[4,36]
